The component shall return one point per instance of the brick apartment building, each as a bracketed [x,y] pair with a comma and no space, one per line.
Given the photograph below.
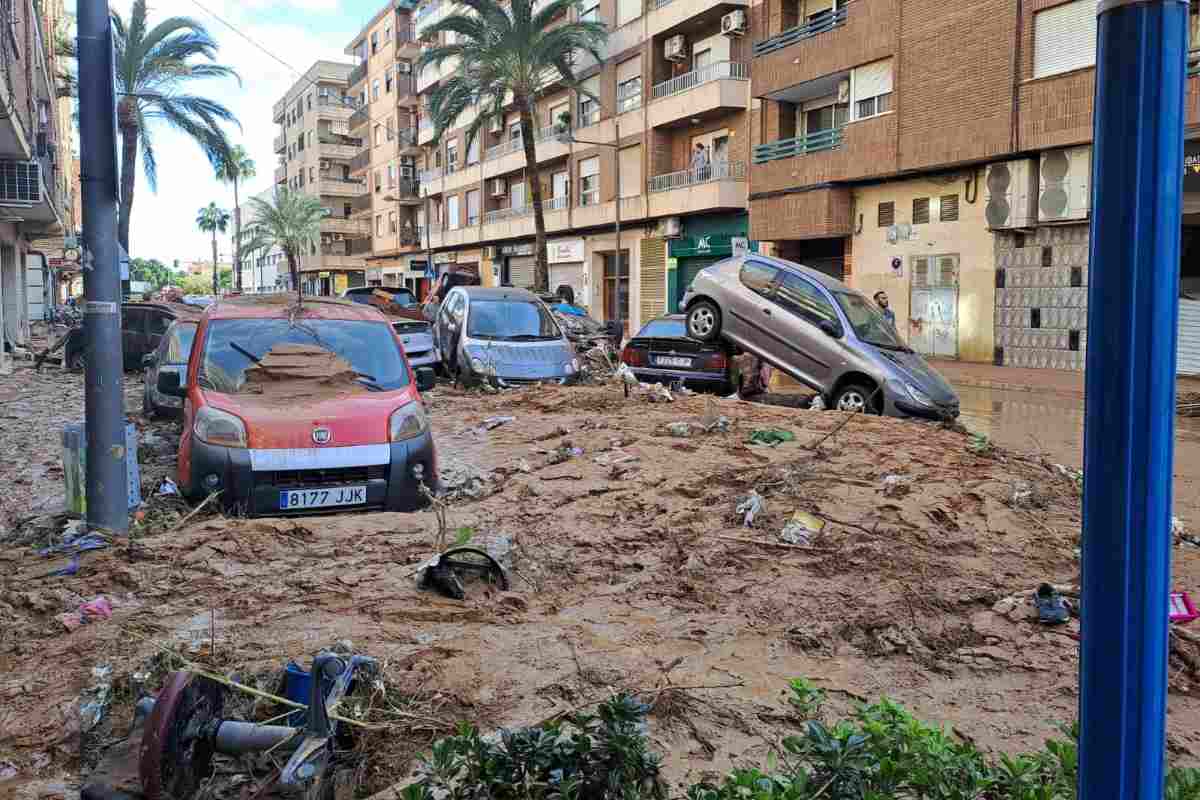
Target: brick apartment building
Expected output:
[941,152]
[315,152]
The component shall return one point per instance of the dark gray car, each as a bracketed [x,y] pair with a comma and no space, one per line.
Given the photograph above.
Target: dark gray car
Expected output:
[171,355]
[818,330]
[503,336]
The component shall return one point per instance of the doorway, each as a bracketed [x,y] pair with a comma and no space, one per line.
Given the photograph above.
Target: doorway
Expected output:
[616,289]
[933,306]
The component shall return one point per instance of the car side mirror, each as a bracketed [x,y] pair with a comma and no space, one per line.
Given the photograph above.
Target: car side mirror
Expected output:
[830,327]
[148,360]
[426,379]
[170,385]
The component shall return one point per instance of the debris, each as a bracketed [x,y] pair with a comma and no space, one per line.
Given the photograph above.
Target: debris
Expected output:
[491,423]
[627,377]
[564,453]
[301,371]
[657,393]
[1052,609]
[168,487]
[1022,496]
[896,485]
[680,429]
[99,695]
[523,466]
[801,528]
[771,437]
[460,480]
[1180,535]
[444,571]
[749,507]
[1182,609]
[817,404]
[76,539]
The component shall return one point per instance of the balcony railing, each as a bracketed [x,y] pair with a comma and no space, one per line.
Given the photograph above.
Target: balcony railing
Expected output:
[405,35]
[280,143]
[504,148]
[821,23]
[360,117]
[556,203]
[345,225]
[429,175]
[406,137]
[341,248]
[719,171]
[501,214]
[411,236]
[404,85]
[798,146]
[342,186]
[361,161]
[358,73]
[360,204]
[721,70]
[405,189]
[281,174]
[360,245]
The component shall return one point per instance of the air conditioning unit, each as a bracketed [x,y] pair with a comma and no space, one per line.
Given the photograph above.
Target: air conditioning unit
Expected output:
[675,48]
[489,253]
[1011,194]
[672,227]
[843,91]
[404,67]
[1064,190]
[496,125]
[499,187]
[20,183]
[734,23]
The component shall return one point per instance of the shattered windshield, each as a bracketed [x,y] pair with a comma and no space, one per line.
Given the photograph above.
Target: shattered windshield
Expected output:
[235,346]
[510,319]
[869,325]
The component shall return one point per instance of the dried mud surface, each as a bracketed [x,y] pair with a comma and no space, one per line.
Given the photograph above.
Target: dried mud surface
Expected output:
[630,573]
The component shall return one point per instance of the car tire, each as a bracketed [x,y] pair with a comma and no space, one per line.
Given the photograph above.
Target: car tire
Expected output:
[704,321]
[856,398]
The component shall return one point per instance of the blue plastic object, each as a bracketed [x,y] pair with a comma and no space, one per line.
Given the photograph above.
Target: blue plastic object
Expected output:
[297,685]
[74,454]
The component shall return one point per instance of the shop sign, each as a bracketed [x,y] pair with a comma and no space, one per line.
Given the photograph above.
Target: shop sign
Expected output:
[708,246]
[445,258]
[516,250]
[565,251]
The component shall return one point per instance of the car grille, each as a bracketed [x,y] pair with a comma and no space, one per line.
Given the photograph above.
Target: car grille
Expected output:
[308,478]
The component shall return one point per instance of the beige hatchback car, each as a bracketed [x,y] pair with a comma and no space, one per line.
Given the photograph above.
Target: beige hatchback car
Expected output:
[818,330]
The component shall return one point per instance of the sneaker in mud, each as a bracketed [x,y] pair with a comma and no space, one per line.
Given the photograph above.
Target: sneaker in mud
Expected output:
[1052,609]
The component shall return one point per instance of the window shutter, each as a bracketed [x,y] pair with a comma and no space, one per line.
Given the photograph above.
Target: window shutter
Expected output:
[887,214]
[592,85]
[872,80]
[589,167]
[628,10]
[949,208]
[629,69]
[631,171]
[920,272]
[920,215]
[1064,38]
[947,270]
[653,298]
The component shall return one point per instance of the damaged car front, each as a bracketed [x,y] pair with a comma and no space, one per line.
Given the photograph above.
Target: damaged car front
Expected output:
[292,410]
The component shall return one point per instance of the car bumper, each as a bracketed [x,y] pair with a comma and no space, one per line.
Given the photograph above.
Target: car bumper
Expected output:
[716,380]
[425,359]
[896,407]
[389,487]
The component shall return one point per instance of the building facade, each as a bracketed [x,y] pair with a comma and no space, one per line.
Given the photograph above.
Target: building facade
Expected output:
[315,151]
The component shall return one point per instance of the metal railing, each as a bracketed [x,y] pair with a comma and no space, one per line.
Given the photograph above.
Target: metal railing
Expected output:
[412,235]
[556,203]
[661,4]
[718,171]
[342,186]
[821,24]
[406,188]
[406,137]
[504,148]
[362,244]
[361,161]
[345,225]
[405,35]
[798,146]
[358,73]
[721,70]
[429,175]
[501,214]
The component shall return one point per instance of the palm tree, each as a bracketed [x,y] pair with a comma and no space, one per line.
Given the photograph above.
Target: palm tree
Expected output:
[291,220]
[507,49]
[214,220]
[153,69]
[232,167]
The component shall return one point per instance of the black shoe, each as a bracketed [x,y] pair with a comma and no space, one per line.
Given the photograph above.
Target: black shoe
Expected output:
[1052,610]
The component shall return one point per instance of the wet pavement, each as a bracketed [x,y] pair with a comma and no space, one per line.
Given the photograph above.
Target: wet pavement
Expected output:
[1052,424]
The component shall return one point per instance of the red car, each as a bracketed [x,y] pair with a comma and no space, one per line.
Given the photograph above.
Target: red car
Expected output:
[298,410]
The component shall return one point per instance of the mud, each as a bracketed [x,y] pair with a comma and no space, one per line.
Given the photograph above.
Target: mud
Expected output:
[631,570]
[301,372]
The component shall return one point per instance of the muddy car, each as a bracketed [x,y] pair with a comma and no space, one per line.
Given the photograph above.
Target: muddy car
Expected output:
[142,328]
[171,355]
[662,352]
[417,338]
[818,330]
[506,337]
[302,410]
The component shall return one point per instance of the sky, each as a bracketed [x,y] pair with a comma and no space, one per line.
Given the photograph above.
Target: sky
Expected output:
[298,33]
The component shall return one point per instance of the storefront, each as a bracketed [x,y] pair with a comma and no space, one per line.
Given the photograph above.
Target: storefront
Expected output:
[689,254]
[566,260]
[456,262]
[518,267]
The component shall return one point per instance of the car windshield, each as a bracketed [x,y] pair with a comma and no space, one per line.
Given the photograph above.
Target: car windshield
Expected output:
[664,329]
[233,345]
[179,343]
[869,325]
[401,297]
[510,319]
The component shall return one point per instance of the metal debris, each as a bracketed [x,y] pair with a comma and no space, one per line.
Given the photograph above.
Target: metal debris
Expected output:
[751,506]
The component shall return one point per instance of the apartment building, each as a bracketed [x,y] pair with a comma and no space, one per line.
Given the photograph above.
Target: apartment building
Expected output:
[315,149]
[385,120]
[941,152]
[34,179]
[675,75]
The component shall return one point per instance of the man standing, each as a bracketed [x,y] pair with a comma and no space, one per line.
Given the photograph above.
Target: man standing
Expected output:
[881,299]
[700,162]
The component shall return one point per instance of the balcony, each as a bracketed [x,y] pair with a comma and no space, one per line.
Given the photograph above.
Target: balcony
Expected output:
[339,152]
[509,155]
[360,245]
[665,17]
[338,255]
[719,185]
[406,139]
[425,131]
[346,227]
[798,146]
[341,187]
[405,89]
[361,161]
[281,143]
[427,16]
[361,205]
[281,174]
[502,214]
[278,111]
[406,44]
[360,117]
[357,74]
[427,176]
[713,89]
[406,191]
[822,24]
[863,148]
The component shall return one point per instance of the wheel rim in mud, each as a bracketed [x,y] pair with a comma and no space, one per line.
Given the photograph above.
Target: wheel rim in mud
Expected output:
[702,321]
[852,400]
[177,748]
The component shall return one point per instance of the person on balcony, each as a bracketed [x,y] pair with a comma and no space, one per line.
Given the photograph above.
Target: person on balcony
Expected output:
[700,162]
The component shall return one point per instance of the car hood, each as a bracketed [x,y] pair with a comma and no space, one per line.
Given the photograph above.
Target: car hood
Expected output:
[352,419]
[917,371]
[524,360]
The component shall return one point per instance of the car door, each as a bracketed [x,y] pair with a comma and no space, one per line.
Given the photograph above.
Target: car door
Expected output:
[157,324]
[133,333]
[806,323]
[749,306]
[447,327]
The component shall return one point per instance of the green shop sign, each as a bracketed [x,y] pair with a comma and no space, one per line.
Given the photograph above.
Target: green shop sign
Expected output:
[714,245]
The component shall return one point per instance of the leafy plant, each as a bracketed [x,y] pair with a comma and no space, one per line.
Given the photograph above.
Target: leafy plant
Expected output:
[463,535]
[980,444]
[806,698]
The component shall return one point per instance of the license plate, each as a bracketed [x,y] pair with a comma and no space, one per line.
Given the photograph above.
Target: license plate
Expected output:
[672,361]
[322,498]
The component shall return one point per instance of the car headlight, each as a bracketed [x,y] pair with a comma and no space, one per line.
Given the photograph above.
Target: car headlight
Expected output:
[215,426]
[407,422]
[477,364]
[918,397]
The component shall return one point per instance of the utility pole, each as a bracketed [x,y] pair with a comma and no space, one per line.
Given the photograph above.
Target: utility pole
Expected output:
[1129,426]
[104,413]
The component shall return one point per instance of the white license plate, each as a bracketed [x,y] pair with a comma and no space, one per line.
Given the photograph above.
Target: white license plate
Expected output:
[322,498]
[672,361]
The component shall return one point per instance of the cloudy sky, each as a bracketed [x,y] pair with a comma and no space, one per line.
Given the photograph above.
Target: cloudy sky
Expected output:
[296,32]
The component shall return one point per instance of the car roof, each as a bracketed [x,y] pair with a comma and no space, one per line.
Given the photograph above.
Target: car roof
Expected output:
[829,282]
[496,293]
[177,310]
[279,306]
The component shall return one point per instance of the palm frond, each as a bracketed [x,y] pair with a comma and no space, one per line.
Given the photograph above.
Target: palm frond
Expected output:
[149,159]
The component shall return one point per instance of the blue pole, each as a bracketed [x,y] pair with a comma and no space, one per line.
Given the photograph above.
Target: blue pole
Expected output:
[1129,426]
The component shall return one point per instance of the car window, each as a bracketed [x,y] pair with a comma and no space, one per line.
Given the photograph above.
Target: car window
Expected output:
[758,277]
[868,324]
[804,300]
[159,323]
[178,343]
[664,329]
[510,319]
[457,307]
[133,320]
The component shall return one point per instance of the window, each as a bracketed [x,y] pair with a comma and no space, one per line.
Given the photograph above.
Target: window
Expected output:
[872,106]
[392,223]
[1064,38]
[759,277]
[556,113]
[451,158]
[473,207]
[514,132]
[374,42]
[948,208]
[629,84]
[312,174]
[378,135]
[375,89]
[516,194]
[379,224]
[871,87]
[387,81]
[589,181]
[630,170]
[560,185]
[310,101]
[452,212]
[920,215]
[378,180]
[391,173]
[590,10]
[825,118]
[589,109]
[886,214]
[473,151]
[701,58]
[628,11]
[804,300]
[387,33]
[391,129]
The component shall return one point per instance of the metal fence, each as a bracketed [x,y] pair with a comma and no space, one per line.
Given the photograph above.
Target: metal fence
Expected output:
[501,214]
[721,70]
[815,27]
[718,171]
[798,146]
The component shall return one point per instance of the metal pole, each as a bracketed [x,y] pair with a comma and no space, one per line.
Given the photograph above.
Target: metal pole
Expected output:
[1130,382]
[107,494]
[617,161]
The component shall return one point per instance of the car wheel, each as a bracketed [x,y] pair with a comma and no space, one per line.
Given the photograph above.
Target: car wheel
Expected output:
[854,397]
[704,321]
[77,361]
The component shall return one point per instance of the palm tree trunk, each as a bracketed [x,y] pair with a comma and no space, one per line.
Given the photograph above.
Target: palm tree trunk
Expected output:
[541,266]
[129,145]
[216,283]
[237,237]
[294,271]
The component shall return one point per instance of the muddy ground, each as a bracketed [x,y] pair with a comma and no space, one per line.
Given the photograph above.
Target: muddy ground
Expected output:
[632,570]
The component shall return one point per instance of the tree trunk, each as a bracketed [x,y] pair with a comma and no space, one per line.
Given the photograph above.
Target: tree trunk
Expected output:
[237,237]
[127,117]
[294,271]
[216,283]
[541,266]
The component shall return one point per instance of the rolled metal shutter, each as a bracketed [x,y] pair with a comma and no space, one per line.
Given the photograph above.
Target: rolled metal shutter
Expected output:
[1064,38]
[522,271]
[653,280]
[1189,338]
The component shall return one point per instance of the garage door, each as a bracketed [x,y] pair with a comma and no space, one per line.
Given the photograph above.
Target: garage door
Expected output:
[35,287]
[522,271]
[1189,337]
[689,268]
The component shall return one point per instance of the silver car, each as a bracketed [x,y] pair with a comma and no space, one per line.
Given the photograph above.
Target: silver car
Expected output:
[503,336]
[818,330]
[417,338]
